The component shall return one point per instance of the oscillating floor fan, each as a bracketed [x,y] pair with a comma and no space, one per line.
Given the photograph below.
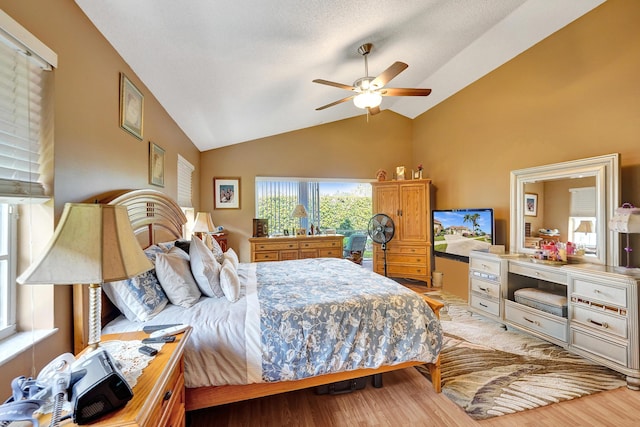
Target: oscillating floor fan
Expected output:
[381,230]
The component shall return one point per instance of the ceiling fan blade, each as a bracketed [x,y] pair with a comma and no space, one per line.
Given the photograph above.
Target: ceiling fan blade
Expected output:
[335,103]
[397,91]
[334,84]
[386,76]
[373,110]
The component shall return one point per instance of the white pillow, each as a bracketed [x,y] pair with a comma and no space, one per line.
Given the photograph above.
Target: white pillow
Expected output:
[176,279]
[215,248]
[205,269]
[233,257]
[229,281]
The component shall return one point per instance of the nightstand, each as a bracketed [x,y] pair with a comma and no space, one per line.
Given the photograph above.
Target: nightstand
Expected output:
[221,238]
[158,397]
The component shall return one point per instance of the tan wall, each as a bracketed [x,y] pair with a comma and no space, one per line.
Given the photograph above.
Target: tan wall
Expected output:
[92,154]
[352,148]
[573,95]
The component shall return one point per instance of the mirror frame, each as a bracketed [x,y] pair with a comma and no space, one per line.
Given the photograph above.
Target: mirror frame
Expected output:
[606,170]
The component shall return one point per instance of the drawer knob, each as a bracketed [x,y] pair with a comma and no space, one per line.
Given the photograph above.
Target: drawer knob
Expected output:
[483,289]
[604,325]
[167,395]
[535,322]
[483,305]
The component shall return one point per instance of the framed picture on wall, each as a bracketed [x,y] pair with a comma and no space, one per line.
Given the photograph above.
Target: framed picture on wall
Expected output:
[226,193]
[531,204]
[156,165]
[131,107]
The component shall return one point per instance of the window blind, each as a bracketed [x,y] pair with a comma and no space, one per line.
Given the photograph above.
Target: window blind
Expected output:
[22,89]
[583,202]
[185,172]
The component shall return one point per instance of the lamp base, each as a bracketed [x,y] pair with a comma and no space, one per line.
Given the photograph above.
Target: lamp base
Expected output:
[95,316]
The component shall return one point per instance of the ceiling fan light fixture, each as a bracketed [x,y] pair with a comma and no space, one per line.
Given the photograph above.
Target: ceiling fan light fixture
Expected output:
[368,99]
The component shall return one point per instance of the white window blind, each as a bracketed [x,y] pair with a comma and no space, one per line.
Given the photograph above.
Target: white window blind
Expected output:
[583,202]
[185,173]
[22,89]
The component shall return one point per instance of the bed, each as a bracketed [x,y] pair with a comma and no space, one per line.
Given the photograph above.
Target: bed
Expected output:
[273,293]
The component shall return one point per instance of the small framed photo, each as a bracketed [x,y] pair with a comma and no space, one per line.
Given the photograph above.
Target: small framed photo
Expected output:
[156,165]
[531,204]
[400,173]
[226,193]
[131,107]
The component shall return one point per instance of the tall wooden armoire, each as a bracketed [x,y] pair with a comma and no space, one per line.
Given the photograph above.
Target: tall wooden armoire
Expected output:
[408,204]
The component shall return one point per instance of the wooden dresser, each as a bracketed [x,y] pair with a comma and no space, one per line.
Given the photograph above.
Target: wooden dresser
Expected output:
[159,396]
[292,247]
[408,204]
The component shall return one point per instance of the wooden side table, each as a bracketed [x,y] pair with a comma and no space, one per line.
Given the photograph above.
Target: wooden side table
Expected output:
[158,397]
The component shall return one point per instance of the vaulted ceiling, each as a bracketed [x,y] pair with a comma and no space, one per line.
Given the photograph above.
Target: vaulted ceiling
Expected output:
[230,71]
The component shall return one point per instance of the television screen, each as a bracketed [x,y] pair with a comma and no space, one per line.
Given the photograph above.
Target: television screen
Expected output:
[456,232]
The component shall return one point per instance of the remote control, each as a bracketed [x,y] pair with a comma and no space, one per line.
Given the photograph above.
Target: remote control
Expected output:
[149,351]
[152,328]
[169,331]
[169,338]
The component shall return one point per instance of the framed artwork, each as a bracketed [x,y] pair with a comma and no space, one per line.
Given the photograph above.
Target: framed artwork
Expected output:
[156,165]
[131,107]
[531,204]
[226,193]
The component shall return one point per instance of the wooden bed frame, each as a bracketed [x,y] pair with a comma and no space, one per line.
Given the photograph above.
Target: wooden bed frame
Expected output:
[157,218]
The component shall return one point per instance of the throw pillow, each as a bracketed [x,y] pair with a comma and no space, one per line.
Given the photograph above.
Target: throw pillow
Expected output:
[215,248]
[176,279]
[233,257]
[205,269]
[229,281]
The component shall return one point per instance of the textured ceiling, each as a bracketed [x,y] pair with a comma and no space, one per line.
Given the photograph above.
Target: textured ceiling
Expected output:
[229,71]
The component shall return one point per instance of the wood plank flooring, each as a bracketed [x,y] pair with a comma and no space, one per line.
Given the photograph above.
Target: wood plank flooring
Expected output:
[408,399]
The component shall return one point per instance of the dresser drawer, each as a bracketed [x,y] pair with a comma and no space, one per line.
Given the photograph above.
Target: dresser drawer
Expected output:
[275,246]
[596,345]
[406,259]
[329,253]
[484,304]
[169,395]
[535,320]
[606,294]
[485,288]
[320,244]
[267,256]
[288,255]
[600,322]
[485,266]
[538,273]
[407,250]
[174,412]
[399,270]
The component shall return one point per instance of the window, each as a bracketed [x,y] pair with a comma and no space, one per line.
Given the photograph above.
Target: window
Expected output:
[331,204]
[185,192]
[24,132]
[582,218]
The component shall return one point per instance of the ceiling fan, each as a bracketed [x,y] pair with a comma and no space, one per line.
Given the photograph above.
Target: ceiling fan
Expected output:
[370,90]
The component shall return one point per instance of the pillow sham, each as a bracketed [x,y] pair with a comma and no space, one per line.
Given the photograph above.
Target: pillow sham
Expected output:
[229,281]
[176,279]
[205,269]
[233,257]
[139,298]
[214,246]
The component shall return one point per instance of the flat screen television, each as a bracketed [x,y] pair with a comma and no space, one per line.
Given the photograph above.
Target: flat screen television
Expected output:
[456,232]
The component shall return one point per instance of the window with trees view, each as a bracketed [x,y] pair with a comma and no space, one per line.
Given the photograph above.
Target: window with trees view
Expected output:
[341,205]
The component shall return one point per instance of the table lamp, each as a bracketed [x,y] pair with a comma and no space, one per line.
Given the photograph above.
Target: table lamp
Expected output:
[585,227]
[299,212]
[626,220]
[92,244]
[203,224]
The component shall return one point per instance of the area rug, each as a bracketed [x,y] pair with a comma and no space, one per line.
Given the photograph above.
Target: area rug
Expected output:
[491,371]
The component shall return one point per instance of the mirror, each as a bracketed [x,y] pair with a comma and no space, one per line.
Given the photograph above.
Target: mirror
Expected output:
[541,206]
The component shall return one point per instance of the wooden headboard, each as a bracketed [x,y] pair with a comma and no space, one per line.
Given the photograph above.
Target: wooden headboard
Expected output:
[154,218]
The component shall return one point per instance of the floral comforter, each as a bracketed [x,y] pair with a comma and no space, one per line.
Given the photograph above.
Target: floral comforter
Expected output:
[302,318]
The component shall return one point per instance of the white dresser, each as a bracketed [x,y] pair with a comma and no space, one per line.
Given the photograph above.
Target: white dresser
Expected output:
[602,306]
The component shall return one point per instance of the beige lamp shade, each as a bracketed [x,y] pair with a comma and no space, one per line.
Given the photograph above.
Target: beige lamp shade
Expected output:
[203,223]
[92,244]
[584,227]
[299,212]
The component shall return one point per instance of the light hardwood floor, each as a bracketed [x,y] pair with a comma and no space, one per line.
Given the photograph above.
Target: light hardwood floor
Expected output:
[408,399]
